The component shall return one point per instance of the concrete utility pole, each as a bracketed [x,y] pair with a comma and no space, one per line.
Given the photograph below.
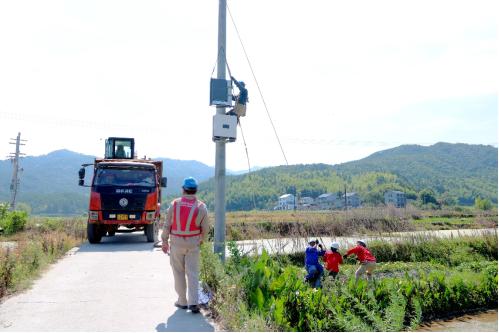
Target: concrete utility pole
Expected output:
[219,244]
[15,170]
[346,202]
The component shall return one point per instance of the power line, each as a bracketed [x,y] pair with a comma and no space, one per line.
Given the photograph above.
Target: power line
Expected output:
[249,165]
[257,84]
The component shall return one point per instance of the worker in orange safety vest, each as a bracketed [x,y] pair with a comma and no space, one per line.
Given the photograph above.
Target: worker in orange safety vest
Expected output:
[187,227]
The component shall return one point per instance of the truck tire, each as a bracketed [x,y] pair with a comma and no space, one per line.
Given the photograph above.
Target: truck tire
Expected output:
[149,232]
[93,233]
[111,233]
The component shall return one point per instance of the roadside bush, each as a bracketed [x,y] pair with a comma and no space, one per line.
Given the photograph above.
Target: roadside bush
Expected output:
[13,222]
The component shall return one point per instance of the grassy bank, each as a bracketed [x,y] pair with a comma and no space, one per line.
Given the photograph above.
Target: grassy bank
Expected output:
[264,293]
[275,224]
[27,253]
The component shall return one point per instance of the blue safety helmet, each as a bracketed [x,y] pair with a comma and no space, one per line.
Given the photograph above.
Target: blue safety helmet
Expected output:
[190,183]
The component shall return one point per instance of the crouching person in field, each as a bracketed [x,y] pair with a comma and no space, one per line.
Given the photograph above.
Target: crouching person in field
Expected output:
[312,265]
[367,260]
[333,259]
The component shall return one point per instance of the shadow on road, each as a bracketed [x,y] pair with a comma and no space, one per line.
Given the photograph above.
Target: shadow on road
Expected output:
[135,241]
[183,321]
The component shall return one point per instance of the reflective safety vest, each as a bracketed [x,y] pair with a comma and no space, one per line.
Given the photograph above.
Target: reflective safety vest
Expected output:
[185,218]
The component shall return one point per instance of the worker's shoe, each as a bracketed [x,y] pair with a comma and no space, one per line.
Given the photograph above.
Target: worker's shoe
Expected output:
[184,307]
[194,308]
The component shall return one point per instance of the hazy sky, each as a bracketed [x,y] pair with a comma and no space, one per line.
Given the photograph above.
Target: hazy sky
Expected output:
[342,79]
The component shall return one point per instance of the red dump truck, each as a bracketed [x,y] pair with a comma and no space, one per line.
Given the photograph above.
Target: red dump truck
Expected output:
[125,192]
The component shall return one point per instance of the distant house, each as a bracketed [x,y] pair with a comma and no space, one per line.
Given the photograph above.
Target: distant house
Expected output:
[286,202]
[306,201]
[328,201]
[395,198]
[353,200]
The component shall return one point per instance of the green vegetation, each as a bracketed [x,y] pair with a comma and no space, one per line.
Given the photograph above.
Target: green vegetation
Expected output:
[483,204]
[264,293]
[11,221]
[25,254]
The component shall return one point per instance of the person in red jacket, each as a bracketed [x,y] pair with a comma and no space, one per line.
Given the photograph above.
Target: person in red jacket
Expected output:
[333,259]
[367,260]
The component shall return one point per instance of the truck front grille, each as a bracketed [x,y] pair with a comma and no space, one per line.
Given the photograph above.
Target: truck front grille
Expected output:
[112,202]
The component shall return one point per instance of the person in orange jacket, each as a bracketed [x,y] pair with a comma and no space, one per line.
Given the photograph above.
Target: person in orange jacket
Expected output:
[367,260]
[333,259]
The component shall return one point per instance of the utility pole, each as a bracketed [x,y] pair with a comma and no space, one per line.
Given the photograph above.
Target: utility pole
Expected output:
[346,206]
[219,242]
[15,170]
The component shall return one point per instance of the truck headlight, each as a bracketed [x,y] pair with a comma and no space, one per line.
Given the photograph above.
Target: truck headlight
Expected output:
[150,216]
[93,215]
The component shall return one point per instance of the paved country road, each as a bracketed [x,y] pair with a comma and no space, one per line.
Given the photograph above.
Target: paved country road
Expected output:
[122,284]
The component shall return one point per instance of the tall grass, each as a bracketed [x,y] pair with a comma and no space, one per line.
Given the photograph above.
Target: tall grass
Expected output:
[43,242]
[368,220]
[424,248]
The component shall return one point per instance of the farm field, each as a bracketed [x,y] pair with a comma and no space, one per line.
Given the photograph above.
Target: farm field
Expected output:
[368,221]
[416,280]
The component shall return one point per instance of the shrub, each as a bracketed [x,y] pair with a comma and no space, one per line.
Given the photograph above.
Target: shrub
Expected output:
[482,204]
[13,222]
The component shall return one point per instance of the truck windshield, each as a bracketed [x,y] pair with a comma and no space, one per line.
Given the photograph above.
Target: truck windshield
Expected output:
[127,177]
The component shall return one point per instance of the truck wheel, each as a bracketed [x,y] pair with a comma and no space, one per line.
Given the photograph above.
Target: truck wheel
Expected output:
[111,233]
[93,233]
[149,232]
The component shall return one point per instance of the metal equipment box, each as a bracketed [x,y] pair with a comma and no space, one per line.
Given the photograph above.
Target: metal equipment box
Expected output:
[224,128]
[220,92]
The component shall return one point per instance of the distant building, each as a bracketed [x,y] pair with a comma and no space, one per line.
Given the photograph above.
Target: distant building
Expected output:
[306,201]
[353,200]
[286,202]
[328,201]
[396,198]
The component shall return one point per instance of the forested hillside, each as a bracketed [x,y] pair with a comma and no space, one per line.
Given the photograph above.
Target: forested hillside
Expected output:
[454,173]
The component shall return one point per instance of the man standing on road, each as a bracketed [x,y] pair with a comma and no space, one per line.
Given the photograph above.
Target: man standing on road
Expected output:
[187,224]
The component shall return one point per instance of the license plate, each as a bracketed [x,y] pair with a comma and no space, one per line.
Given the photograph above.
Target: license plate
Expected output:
[122,217]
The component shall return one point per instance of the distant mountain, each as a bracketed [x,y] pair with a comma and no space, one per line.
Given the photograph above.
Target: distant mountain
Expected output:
[456,173]
[49,183]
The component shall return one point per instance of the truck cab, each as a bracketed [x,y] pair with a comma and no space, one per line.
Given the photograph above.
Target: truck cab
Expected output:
[125,192]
